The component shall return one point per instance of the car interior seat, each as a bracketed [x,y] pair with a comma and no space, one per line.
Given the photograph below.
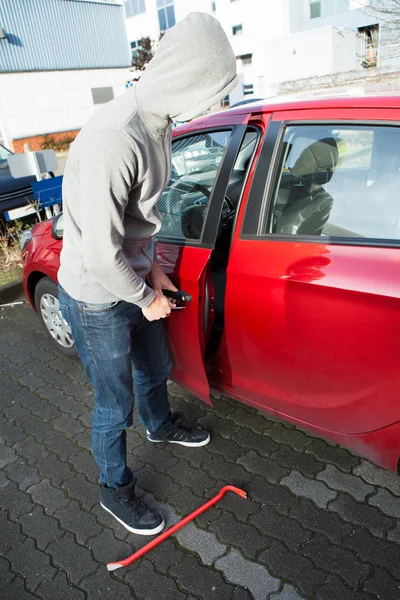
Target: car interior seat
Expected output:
[309,204]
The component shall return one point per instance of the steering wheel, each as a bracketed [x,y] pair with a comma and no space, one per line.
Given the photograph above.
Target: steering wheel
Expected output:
[191,212]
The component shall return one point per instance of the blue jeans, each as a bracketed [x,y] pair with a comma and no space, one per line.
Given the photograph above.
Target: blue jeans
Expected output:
[108,339]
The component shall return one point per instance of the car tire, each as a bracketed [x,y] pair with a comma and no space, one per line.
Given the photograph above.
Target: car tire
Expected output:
[48,309]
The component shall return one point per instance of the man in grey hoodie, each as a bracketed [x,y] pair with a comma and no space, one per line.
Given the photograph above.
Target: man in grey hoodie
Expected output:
[110,280]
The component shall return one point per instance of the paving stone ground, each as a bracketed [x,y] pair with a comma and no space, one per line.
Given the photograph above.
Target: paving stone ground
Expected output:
[320,522]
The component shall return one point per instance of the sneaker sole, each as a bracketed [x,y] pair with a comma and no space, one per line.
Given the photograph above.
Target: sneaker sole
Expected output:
[132,529]
[187,444]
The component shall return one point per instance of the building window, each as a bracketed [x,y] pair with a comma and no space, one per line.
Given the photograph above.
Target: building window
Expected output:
[135,45]
[225,102]
[101,95]
[237,30]
[369,37]
[166,14]
[134,7]
[315,9]
[213,6]
[248,89]
[246,59]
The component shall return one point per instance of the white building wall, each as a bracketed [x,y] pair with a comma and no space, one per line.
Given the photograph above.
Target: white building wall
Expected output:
[261,20]
[308,54]
[52,101]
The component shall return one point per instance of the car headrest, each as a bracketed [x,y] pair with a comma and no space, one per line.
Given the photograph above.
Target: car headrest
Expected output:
[319,155]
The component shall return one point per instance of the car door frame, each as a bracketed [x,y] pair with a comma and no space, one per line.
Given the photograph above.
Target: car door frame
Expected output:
[189,370]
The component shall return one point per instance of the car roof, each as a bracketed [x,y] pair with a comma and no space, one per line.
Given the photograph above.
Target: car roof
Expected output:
[298,102]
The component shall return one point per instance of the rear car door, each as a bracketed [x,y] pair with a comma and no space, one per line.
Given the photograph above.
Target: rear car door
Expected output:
[191,206]
[312,315]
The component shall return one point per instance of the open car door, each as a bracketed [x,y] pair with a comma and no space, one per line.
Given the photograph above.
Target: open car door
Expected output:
[192,207]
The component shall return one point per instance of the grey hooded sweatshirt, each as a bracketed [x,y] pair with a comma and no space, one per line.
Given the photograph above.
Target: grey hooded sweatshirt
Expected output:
[120,163]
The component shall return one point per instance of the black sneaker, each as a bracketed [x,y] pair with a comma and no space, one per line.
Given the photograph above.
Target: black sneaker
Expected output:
[131,512]
[180,431]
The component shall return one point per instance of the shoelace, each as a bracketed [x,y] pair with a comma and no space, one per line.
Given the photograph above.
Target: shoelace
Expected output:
[180,421]
[134,505]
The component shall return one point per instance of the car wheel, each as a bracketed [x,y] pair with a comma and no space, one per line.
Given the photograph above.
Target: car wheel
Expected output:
[48,309]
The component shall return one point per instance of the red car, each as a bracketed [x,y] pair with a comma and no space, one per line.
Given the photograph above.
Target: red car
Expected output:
[282,220]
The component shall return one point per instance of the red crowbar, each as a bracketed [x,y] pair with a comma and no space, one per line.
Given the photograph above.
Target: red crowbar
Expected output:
[128,561]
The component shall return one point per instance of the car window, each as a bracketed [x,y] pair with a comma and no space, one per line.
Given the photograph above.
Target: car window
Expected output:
[184,203]
[338,181]
[4,154]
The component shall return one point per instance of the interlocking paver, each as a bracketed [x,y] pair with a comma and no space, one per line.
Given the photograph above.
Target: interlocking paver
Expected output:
[76,560]
[59,588]
[100,586]
[165,555]
[200,580]
[204,543]
[7,455]
[285,542]
[255,421]
[83,462]
[49,497]
[388,503]
[375,550]
[17,413]
[278,497]
[287,593]
[45,411]
[382,585]
[284,529]
[16,501]
[23,474]
[15,590]
[29,449]
[268,468]
[10,433]
[362,514]
[294,438]
[334,589]
[239,534]
[62,446]
[248,574]
[54,469]
[106,547]
[31,563]
[220,469]
[78,522]
[11,535]
[322,521]
[150,585]
[316,491]
[344,482]
[377,476]
[293,567]
[67,425]
[42,528]
[333,454]
[262,444]
[159,484]
[3,480]
[86,492]
[336,560]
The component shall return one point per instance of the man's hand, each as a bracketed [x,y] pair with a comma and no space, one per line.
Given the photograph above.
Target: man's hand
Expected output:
[160,280]
[160,308]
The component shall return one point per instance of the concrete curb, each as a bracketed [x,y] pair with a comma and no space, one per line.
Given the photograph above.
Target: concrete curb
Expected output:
[11,291]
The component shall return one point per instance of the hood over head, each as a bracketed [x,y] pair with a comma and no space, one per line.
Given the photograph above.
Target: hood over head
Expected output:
[194,67]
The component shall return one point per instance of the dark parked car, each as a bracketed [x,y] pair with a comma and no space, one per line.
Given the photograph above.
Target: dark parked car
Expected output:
[282,221]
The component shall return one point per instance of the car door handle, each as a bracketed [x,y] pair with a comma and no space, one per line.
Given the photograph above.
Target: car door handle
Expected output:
[179,295]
